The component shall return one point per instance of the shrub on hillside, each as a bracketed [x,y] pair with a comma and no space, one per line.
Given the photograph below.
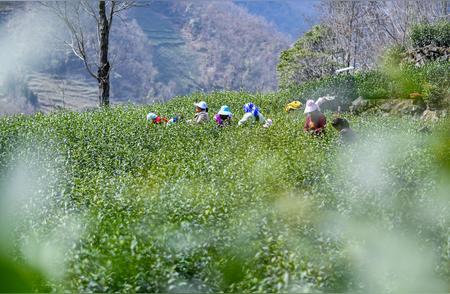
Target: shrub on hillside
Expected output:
[430,81]
[406,80]
[310,58]
[412,73]
[393,56]
[436,34]
[373,85]
[438,78]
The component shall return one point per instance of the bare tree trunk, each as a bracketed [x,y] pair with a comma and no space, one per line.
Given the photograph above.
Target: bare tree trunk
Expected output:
[444,8]
[71,12]
[350,35]
[104,66]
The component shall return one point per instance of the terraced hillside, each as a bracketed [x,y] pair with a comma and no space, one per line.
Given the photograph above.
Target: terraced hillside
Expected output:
[170,53]
[53,92]
[176,48]
[204,46]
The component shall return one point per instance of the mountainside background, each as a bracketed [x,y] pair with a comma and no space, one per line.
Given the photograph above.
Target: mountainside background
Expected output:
[160,50]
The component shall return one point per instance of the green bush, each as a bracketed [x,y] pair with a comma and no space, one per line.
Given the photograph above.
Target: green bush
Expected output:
[406,80]
[436,34]
[126,208]
[431,82]
[308,59]
[393,56]
[373,85]
[437,75]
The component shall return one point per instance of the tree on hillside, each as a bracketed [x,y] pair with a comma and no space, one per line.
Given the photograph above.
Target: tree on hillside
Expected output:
[77,16]
[313,56]
[354,33]
[397,17]
[345,19]
[363,29]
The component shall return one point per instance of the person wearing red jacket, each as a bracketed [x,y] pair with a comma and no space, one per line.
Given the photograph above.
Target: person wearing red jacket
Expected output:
[153,118]
[315,120]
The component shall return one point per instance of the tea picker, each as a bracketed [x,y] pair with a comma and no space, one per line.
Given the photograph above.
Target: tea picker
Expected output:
[293,105]
[153,118]
[224,116]
[201,113]
[252,113]
[315,120]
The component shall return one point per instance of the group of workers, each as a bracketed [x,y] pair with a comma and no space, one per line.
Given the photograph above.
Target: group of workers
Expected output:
[315,120]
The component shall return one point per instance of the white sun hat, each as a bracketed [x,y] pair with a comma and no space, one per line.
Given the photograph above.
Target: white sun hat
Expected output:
[201,105]
[311,106]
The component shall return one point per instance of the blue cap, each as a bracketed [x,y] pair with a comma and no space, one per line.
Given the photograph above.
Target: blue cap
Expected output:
[225,110]
[151,116]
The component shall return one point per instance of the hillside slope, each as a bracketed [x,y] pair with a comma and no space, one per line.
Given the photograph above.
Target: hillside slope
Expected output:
[126,207]
[161,50]
[54,93]
[194,51]
[290,17]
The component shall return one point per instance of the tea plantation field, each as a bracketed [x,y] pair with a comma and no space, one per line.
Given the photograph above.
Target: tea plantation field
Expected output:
[96,201]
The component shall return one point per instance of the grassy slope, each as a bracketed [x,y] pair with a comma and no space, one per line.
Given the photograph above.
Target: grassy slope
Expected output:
[201,208]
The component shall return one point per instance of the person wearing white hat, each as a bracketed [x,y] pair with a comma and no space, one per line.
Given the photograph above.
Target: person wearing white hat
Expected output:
[223,117]
[201,116]
[315,120]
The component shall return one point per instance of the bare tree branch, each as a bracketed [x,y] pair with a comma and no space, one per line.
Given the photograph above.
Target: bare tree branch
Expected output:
[71,14]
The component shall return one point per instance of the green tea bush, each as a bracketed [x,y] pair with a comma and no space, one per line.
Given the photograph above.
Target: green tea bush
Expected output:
[101,203]
[407,79]
[373,85]
[438,79]
[436,34]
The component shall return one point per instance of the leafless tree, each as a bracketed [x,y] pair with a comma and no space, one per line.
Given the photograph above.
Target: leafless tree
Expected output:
[240,50]
[362,29]
[77,16]
[395,18]
[344,19]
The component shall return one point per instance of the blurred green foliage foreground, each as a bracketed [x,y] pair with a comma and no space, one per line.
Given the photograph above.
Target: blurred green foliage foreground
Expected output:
[96,201]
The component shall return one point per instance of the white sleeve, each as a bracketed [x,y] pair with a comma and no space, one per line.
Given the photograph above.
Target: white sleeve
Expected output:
[245,118]
[323,99]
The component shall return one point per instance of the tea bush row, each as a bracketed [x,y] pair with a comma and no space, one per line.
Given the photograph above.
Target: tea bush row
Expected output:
[202,208]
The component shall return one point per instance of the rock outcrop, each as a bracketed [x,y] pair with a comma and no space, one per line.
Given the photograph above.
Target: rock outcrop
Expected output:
[419,56]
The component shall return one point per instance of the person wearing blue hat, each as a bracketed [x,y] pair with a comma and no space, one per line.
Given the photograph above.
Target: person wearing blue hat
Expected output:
[252,113]
[154,119]
[201,115]
[223,117]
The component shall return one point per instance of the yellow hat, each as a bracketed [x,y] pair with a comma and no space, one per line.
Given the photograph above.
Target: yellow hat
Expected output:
[294,105]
